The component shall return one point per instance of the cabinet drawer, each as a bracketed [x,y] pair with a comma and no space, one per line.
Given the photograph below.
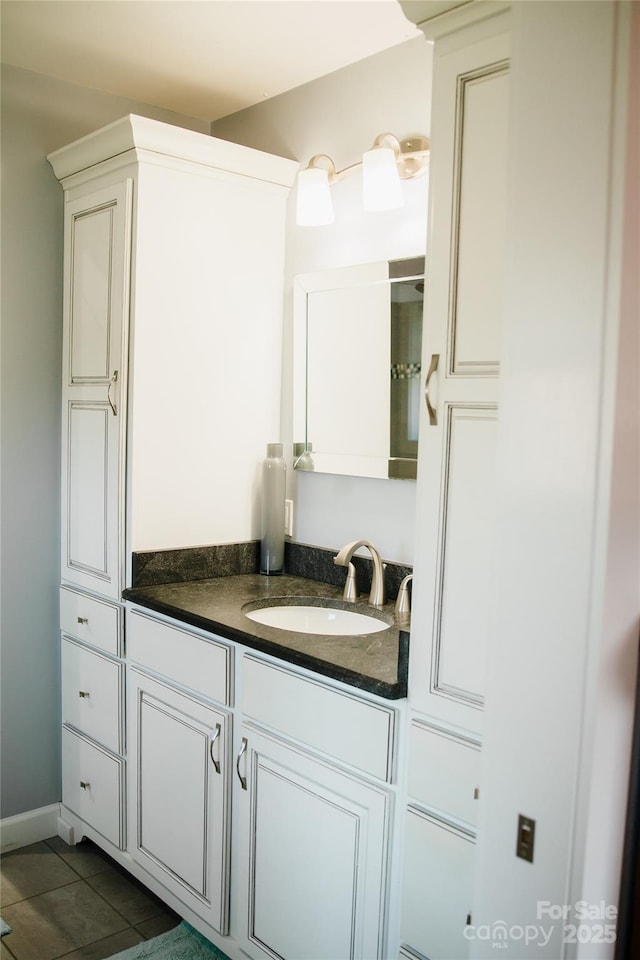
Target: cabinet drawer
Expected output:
[345,727]
[92,786]
[195,662]
[91,620]
[444,771]
[92,688]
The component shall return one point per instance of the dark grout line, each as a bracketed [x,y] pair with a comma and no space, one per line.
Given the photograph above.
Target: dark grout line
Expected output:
[110,865]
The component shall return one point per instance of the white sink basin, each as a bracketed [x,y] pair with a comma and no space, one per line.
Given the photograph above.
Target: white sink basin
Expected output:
[323,620]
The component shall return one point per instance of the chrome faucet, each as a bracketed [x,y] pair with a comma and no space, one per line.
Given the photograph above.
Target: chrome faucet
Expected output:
[343,559]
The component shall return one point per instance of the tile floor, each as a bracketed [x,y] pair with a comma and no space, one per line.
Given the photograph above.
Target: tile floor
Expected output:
[73,903]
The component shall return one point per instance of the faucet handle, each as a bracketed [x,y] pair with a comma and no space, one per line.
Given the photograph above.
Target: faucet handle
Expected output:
[350,593]
[403,603]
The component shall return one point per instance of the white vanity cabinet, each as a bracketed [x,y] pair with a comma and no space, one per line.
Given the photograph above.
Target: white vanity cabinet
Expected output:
[179,803]
[314,817]
[282,844]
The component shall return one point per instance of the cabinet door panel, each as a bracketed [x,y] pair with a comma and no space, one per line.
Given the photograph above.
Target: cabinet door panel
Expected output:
[173,754]
[312,859]
[91,280]
[463,319]
[466,510]
[437,888]
[480,170]
[284,812]
[96,308]
[90,477]
[178,758]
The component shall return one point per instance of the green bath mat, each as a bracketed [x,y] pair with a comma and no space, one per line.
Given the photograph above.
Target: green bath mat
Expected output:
[181,943]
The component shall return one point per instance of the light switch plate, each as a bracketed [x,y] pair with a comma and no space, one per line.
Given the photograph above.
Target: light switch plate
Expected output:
[526,836]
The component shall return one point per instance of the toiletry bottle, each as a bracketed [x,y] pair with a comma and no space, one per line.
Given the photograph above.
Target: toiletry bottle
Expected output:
[273,494]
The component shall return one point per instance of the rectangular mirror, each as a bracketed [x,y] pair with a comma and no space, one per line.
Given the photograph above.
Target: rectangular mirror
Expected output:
[357,355]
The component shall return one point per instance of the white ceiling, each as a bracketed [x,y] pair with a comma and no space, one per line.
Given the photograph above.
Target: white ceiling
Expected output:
[201,58]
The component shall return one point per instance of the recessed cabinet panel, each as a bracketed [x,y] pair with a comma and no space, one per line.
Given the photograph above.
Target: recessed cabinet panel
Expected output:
[178,794]
[480,199]
[463,589]
[91,278]
[444,772]
[88,471]
[173,753]
[437,888]
[285,810]
[461,348]
[313,851]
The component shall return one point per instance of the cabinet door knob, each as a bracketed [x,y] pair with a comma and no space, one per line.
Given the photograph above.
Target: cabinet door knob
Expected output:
[85,784]
[83,619]
[433,366]
[216,736]
[243,748]
[84,694]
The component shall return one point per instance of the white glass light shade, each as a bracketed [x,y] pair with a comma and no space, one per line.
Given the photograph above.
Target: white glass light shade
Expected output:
[314,206]
[381,187]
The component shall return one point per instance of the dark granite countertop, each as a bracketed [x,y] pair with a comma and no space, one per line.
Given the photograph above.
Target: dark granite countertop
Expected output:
[375,662]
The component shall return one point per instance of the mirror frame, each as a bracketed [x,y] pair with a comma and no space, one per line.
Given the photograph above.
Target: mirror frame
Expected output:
[351,277]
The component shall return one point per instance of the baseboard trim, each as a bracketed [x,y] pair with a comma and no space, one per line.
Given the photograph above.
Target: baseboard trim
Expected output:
[29,827]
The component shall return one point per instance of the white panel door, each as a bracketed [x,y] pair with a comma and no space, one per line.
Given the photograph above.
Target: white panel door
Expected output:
[311,876]
[96,305]
[456,471]
[178,783]
[437,887]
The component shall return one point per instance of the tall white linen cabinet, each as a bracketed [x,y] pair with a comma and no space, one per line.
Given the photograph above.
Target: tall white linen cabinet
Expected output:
[173,289]
[456,480]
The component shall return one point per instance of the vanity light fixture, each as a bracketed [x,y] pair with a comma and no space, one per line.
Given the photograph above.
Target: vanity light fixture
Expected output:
[314,206]
[383,167]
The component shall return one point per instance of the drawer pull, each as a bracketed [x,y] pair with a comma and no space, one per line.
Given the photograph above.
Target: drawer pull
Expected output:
[476,793]
[84,694]
[85,784]
[216,736]
[83,619]
[243,748]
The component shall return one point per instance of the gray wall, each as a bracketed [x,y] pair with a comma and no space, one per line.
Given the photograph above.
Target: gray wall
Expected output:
[341,114]
[38,116]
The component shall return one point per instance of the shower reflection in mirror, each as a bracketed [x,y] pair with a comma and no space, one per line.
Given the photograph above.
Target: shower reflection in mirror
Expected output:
[357,362]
